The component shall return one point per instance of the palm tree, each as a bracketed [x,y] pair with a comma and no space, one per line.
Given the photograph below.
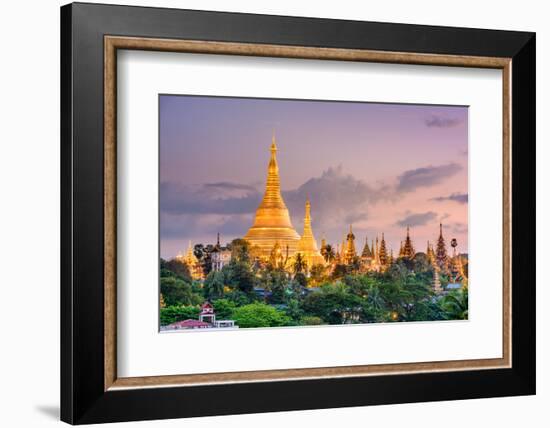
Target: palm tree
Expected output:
[375,298]
[455,305]
[329,254]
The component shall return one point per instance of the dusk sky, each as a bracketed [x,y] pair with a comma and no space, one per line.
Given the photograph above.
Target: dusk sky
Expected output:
[379,167]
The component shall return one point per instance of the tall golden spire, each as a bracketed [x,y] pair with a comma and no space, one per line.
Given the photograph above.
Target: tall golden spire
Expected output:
[350,246]
[307,246]
[383,254]
[191,261]
[408,248]
[272,222]
[366,254]
[441,250]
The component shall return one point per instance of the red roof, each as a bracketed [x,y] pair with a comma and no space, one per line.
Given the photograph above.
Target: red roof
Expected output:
[189,324]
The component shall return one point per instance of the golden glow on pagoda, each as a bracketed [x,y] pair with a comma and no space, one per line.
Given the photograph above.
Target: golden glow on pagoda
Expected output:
[272,223]
[307,246]
[191,261]
[349,248]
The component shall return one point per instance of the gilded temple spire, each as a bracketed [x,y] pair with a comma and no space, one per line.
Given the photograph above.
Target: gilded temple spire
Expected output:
[383,254]
[272,221]
[350,246]
[367,254]
[441,250]
[307,246]
[408,248]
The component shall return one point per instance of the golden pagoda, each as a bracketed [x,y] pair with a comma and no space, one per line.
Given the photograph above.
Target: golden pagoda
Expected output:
[408,249]
[307,246]
[192,262]
[350,253]
[383,254]
[430,254]
[272,223]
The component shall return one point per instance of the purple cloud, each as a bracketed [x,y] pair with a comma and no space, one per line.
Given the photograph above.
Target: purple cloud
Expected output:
[425,177]
[461,198]
[435,121]
[417,219]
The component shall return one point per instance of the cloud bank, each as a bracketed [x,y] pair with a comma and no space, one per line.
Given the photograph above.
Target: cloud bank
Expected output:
[417,219]
[427,176]
[461,198]
[435,121]
[337,199]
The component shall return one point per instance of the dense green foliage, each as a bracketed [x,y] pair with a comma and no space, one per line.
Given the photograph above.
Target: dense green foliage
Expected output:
[260,315]
[171,314]
[268,296]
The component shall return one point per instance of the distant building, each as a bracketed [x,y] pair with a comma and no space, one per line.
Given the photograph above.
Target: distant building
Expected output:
[220,256]
[192,262]
[307,246]
[207,319]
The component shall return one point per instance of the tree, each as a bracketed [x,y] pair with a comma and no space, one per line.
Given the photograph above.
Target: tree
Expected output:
[277,282]
[328,253]
[318,274]
[299,265]
[455,305]
[240,250]
[421,263]
[204,256]
[239,276]
[301,279]
[224,308]
[214,285]
[311,320]
[332,303]
[260,315]
[178,292]
[178,268]
[171,314]
[340,270]
[293,309]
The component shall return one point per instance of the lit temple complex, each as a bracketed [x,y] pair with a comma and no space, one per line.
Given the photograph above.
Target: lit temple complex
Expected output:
[273,240]
[307,246]
[272,236]
[192,262]
[272,223]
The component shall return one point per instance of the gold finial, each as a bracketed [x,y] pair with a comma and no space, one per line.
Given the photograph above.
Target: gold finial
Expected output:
[273,143]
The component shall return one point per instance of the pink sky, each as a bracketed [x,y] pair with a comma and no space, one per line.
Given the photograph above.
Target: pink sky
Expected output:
[376,166]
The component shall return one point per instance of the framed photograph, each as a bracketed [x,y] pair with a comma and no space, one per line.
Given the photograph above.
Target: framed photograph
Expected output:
[266,213]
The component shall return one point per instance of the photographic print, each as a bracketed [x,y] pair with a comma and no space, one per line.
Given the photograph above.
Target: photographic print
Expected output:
[294,213]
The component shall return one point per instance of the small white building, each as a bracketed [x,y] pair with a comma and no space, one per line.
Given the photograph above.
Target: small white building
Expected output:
[220,257]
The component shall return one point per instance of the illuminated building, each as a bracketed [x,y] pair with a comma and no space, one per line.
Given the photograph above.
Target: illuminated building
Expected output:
[349,248]
[192,262]
[272,223]
[220,256]
[441,257]
[307,246]
[407,250]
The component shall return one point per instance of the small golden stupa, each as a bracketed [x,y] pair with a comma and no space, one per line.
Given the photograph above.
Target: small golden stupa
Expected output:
[307,246]
[272,223]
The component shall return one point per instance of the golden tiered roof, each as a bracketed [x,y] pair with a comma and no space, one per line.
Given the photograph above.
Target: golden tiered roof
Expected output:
[349,252]
[408,249]
[191,261]
[272,223]
[307,246]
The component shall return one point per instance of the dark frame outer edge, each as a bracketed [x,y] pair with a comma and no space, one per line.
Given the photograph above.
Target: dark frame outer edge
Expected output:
[66,306]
